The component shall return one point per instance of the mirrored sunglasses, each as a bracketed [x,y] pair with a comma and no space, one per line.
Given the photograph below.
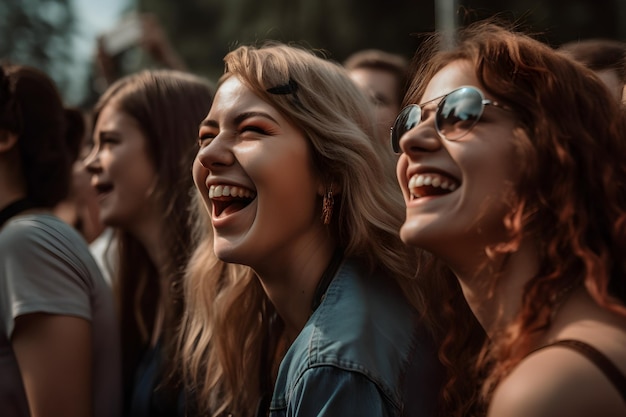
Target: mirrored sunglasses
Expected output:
[457,113]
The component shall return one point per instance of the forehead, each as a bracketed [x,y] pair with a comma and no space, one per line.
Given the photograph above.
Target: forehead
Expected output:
[372,76]
[113,115]
[452,76]
[611,79]
[233,91]
[233,96]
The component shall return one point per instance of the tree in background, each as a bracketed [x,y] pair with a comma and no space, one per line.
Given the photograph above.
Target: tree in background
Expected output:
[203,31]
[39,33]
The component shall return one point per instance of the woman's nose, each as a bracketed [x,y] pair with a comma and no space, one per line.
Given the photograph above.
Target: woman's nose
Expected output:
[421,138]
[218,153]
[92,161]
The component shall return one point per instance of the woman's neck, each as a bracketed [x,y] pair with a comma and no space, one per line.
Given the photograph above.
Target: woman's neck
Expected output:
[149,232]
[291,283]
[495,308]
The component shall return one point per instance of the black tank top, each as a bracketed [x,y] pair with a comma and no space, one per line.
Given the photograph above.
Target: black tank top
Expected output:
[607,367]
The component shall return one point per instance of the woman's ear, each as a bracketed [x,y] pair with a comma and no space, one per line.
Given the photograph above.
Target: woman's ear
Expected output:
[7,141]
[325,186]
[321,188]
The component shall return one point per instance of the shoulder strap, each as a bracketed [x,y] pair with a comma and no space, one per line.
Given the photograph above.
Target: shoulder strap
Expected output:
[609,369]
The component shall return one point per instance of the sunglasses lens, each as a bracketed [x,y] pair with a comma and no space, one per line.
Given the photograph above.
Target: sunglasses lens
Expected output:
[408,118]
[459,112]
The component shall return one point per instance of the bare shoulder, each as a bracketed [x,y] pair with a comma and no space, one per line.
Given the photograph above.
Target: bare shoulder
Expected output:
[556,381]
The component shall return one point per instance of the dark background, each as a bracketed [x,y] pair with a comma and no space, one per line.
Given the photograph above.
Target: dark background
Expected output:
[38,32]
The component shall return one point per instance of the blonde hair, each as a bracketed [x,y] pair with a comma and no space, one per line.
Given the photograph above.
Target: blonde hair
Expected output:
[232,338]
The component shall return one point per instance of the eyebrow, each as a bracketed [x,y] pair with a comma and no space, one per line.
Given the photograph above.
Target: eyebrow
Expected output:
[107,133]
[423,104]
[239,118]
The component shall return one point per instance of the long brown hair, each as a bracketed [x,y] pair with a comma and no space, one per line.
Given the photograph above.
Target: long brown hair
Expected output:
[168,106]
[571,194]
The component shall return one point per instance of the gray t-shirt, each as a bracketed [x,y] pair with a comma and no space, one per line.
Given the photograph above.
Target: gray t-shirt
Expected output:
[46,267]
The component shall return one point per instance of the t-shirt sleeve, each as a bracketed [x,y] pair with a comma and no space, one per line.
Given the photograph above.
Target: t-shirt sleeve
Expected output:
[329,391]
[41,273]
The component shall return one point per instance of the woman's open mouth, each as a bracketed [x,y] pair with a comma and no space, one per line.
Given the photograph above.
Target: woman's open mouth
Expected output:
[229,199]
[103,189]
[430,184]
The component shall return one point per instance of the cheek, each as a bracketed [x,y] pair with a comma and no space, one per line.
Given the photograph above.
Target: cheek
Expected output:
[199,174]
[290,191]
[289,187]
[489,192]
[401,167]
[136,173]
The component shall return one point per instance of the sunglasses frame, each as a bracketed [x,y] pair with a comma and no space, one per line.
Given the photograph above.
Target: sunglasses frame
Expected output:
[395,141]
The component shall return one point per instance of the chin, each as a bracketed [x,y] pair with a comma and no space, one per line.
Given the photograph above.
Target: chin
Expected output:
[430,239]
[107,220]
[413,234]
[413,239]
[226,252]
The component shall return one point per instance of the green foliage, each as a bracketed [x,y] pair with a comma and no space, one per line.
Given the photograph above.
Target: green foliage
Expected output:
[38,33]
[41,32]
[203,31]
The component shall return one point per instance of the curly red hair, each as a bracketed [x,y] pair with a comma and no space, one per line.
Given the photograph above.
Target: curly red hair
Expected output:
[571,195]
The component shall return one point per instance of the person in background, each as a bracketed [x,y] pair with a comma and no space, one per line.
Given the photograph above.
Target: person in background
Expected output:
[137,42]
[59,339]
[301,296]
[144,145]
[81,210]
[515,180]
[605,57]
[383,77]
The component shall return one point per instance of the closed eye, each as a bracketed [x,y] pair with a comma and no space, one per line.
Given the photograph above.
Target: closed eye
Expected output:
[106,139]
[255,129]
[205,136]
[205,140]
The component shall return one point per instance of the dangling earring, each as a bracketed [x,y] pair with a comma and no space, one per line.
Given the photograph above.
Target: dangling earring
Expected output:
[327,205]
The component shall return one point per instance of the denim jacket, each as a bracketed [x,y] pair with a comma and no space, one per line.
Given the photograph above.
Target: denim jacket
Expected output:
[361,353]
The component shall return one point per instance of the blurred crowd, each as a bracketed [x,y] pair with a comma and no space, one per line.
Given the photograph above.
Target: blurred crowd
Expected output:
[435,235]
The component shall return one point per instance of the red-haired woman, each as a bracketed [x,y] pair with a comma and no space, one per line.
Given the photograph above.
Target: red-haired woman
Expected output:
[512,172]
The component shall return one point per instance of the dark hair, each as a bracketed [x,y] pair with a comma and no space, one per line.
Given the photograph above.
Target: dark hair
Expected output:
[168,107]
[32,108]
[598,54]
[395,64]
[571,194]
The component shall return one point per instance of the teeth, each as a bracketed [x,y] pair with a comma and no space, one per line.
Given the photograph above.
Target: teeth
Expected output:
[433,180]
[229,190]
